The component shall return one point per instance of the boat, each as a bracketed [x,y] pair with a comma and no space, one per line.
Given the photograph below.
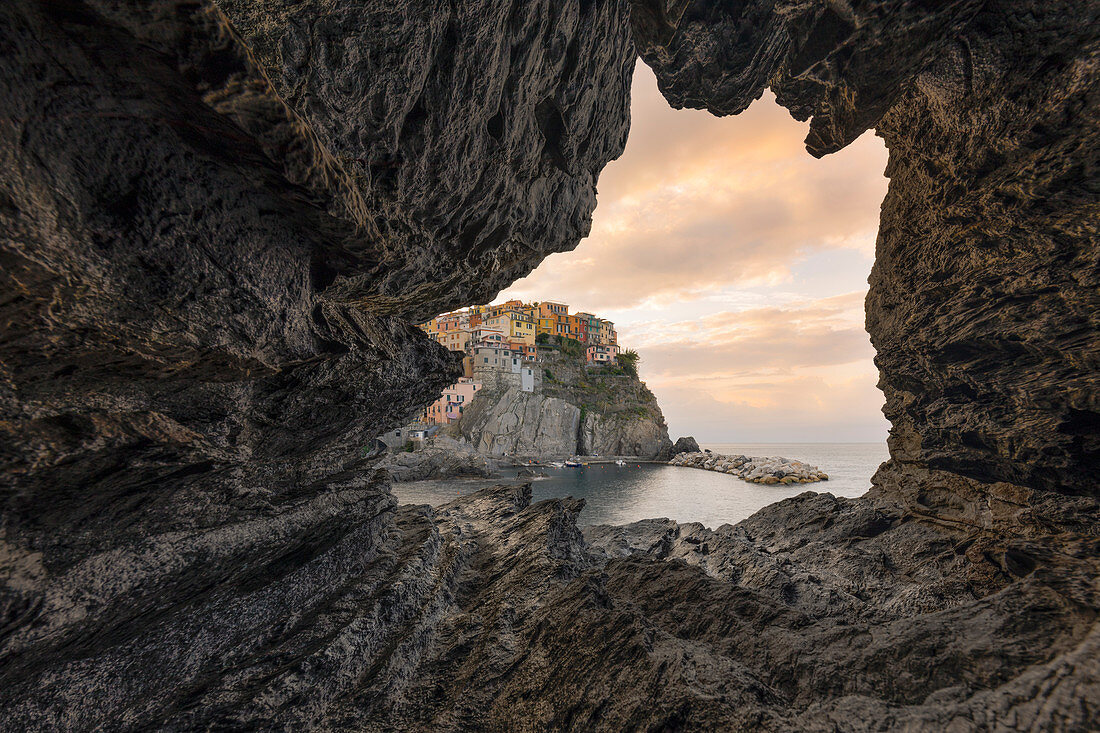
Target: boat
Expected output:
[556,464]
[572,464]
[620,462]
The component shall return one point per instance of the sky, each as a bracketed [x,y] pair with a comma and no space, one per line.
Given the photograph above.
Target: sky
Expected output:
[736,265]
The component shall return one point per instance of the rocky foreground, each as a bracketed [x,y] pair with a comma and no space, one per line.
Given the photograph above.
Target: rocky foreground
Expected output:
[754,469]
[219,221]
[441,457]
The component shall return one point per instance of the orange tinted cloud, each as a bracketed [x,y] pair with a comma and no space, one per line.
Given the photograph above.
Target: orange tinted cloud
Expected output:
[699,202]
[736,264]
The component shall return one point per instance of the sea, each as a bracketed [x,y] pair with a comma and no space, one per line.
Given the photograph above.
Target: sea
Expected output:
[623,494]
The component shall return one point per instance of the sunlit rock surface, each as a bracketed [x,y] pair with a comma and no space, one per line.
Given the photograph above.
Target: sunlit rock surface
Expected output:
[572,410]
[219,221]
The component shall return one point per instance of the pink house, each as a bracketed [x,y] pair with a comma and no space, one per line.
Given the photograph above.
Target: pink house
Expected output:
[450,405]
[601,353]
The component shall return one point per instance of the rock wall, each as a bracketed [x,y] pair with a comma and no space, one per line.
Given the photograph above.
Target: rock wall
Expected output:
[985,292]
[517,423]
[474,130]
[217,222]
[573,411]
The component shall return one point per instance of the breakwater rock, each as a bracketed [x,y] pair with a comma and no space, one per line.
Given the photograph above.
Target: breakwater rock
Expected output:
[755,469]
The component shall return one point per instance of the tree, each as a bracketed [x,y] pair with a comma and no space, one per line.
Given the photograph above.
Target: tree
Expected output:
[628,359]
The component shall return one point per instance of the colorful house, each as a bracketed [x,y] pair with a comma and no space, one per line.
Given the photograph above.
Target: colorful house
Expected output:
[456,340]
[524,349]
[550,309]
[605,332]
[452,402]
[601,353]
[515,325]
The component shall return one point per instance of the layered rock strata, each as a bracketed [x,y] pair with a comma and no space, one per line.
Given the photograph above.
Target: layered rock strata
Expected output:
[211,261]
[219,222]
[754,469]
[986,286]
[440,457]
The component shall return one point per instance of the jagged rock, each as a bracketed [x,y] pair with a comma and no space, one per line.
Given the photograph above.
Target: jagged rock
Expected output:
[762,470]
[623,435]
[984,294]
[441,457]
[574,411]
[685,444]
[215,233]
[935,608]
[530,473]
[476,130]
[211,262]
[517,423]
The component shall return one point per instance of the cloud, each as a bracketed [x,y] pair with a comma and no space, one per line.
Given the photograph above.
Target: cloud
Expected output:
[736,264]
[802,410]
[698,203]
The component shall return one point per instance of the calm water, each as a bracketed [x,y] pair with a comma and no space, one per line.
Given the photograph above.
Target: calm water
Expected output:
[623,494]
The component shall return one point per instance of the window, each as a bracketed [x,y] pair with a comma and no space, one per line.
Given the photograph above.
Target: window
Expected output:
[486,360]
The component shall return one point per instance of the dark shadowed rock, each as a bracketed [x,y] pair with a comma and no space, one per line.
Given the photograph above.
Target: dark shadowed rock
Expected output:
[218,222]
[440,457]
[685,444]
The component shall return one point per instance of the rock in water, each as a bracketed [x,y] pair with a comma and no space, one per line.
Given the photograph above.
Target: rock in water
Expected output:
[755,469]
[685,444]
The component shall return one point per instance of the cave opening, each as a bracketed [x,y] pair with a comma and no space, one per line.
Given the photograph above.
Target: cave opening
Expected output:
[735,264]
[197,535]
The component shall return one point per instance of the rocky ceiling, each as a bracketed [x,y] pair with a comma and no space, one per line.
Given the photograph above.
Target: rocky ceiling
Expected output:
[218,221]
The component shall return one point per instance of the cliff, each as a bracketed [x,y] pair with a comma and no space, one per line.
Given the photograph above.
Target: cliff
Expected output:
[573,410]
[218,221]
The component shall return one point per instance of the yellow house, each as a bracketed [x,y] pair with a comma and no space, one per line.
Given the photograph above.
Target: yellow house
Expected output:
[516,326]
[522,328]
[455,340]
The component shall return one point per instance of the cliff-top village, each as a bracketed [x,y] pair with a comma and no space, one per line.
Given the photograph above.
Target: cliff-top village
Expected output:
[499,343]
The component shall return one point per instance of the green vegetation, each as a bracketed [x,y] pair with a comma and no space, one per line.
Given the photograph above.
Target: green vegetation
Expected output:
[548,374]
[564,344]
[628,361]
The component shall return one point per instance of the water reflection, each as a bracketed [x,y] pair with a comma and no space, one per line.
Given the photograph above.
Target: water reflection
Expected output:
[623,494]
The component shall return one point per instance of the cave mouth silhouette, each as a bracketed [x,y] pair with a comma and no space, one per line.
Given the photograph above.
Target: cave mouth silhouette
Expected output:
[220,223]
